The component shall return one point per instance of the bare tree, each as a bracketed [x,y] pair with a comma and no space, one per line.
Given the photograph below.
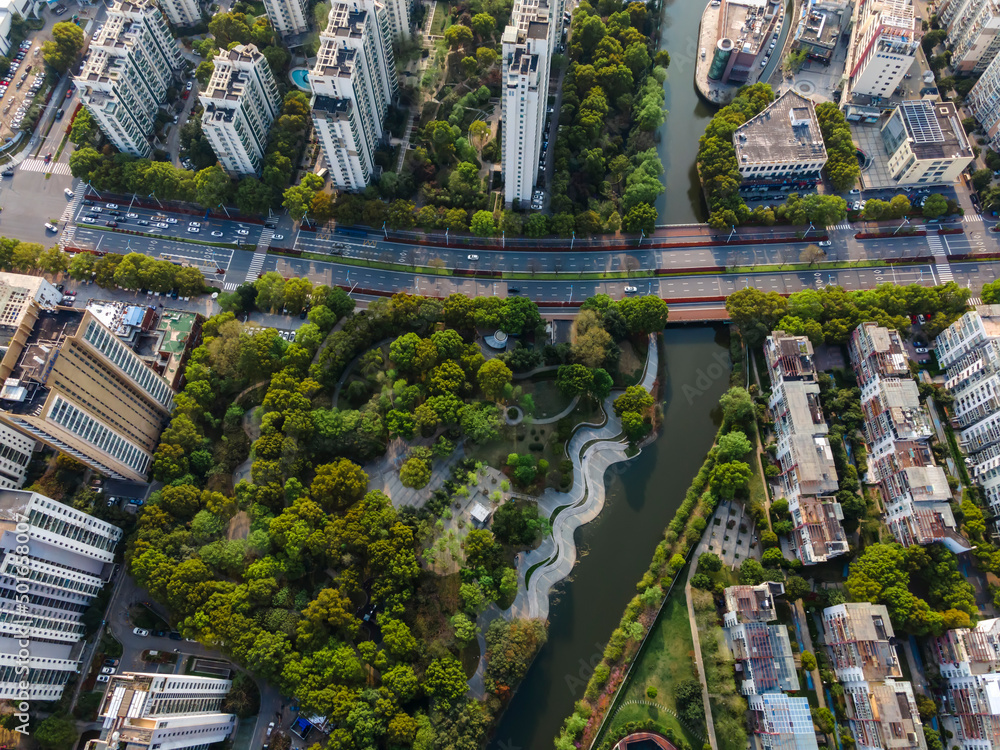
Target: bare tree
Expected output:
[812,254]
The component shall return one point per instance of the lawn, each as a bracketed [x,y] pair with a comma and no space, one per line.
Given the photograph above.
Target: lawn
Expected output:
[666,659]
[440,22]
[548,400]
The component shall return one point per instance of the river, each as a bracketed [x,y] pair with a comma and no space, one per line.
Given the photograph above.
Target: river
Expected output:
[643,495]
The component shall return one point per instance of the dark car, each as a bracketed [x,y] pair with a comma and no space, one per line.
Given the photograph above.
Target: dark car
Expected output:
[111,662]
[513,290]
[174,636]
[160,633]
[112,224]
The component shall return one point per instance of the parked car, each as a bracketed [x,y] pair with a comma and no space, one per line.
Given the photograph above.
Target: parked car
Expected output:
[69,193]
[108,670]
[140,632]
[103,678]
[174,636]
[112,662]
[920,349]
[278,237]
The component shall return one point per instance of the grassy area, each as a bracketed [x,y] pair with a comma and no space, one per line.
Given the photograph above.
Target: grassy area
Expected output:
[321,14]
[548,400]
[666,660]
[441,20]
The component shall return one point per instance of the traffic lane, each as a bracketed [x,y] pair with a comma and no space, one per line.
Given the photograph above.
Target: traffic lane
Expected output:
[206,226]
[29,200]
[975,275]
[209,259]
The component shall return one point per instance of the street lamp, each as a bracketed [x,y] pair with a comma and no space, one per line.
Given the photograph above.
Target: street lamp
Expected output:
[642,237]
[226,210]
[95,190]
[386,233]
[807,231]
[731,234]
[573,240]
[904,221]
[153,196]
[446,235]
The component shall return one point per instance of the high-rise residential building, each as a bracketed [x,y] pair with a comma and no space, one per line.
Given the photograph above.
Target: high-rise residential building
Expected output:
[968,333]
[241,101]
[22,300]
[883,47]
[15,455]
[399,19]
[44,593]
[133,59]
[926,144]
[182,12]
[983,102]
[781,722]
[808,475]
[146,711]
[527,51]
[973,33]
[288,17]
[79,389]
[897,430]
[781,144]
[353,83]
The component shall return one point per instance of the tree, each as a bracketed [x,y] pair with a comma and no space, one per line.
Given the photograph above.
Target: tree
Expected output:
[936,205]
[729,478]
[641,218]
[756,313]
[751,572]
[710,562]
[63,49]
[733,445]
[457,36]
[981,179]
[415,473]
[338,485]
[482,222]
[58,731]
[493,377]
[899,206]
[189,281]
[812,254]
[635,399]
[212,187]
[484,25]
[444,679]
[84,131]
[737,407]
[644,315]
[574,380]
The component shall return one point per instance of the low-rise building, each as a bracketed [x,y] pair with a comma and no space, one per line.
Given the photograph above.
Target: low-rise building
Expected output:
[926,144]
[877,352]
[781,722]
[146,711]
[819,29]
[751,603]
[884,716]
[241,102]
[764,660]
[859,637]
[972,712]
[747,34]
[45,591]
[963,652]
[818,531]
[781,145]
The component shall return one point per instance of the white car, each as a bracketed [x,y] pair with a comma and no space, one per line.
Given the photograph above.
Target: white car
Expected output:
[132,216]
[170,220]
[920,349]
[630,290]
[108,670]
[193,230]
[855,191]
[140,632]
[189,85]
[161,225]
[216,234]
[473,257]
[270,728]
[194,223]
[51,227]
[112,206]
[242,232]
[103,678]
[278,237]
[69,193]
[824,243]
[88,220]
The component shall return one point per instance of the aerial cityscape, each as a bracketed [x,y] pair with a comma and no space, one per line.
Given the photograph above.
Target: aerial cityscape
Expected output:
[500,374]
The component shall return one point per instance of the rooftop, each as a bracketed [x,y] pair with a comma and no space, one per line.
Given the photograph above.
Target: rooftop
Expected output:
[752,603]
[787,132]
[821,26]
[818,533]
[933,130]
[789,357]
[229,78]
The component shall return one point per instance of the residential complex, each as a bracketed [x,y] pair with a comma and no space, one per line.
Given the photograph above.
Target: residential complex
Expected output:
[983,102]
[353,82]
[780,722]
[241,101]
[897,430]
[751,603]
[884,43]
[973,33]
[745,33]
[22,300]
[970,350]
[399,19]
[808,475]
[526,56]
[881,709]
[969,659]
[145,711]
[69,559]
[133,59]
[926,144]
[783,143]
[288,17]
[15,455]
[182,12]
[79,389]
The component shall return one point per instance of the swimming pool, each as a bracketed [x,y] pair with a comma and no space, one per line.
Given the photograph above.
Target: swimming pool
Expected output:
[300,77]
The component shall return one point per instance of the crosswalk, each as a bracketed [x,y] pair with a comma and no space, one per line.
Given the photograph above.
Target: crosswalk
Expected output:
[843,225]
[40,165]
[230,286]
[69,230]
[970,218]
[975,301]
[265,239]
[940,258]
[256,263]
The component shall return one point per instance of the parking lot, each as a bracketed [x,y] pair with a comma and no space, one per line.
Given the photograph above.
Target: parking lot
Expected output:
[20,87]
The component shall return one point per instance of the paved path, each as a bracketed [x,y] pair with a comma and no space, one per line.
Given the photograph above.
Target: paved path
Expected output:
[807,641]
[695,637]
[592,449]
[565,412]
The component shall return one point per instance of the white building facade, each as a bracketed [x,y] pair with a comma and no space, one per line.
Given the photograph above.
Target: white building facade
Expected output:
[70,557]
[132,62]
[241,102]
[288,17]
[353,83]
[526,58]
[182,12]
[973,33]
[15,455]
[883,46]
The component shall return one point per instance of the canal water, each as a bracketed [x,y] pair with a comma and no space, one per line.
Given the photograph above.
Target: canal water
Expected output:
[616,548]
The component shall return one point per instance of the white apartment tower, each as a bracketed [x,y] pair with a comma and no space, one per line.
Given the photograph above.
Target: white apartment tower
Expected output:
[983,102]
[353,82]
[241,101]
[399,18]
[973,33]
[527,53]
[288,17]
[15,455]
[182,12]
[145,711]
[883,46]
[70,556]
[125,80]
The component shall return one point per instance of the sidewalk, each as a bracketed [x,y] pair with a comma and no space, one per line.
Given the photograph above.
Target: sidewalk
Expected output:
[709,721]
